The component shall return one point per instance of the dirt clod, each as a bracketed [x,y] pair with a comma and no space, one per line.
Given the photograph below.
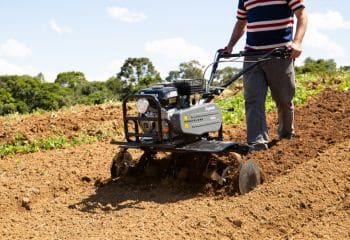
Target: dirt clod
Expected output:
[26,203]
[235,222]
[86,179]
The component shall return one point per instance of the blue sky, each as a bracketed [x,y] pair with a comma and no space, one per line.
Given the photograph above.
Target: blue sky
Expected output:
[96,36]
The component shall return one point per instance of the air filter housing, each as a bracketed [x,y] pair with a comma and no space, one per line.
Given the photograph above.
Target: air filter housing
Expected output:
[189,87]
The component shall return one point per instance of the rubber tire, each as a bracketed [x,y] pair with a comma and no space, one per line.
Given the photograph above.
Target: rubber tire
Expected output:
[249,177]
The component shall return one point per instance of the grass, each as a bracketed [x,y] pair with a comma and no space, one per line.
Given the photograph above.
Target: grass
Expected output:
[345,83]
[307,85]
[20,145]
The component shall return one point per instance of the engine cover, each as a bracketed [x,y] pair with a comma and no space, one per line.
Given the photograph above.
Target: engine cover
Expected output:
[166,95]
[197,120]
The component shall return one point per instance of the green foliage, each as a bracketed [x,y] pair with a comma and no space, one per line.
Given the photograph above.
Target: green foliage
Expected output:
[307,85]
[237,103]
[187,70]
[25,94]
[317,66]
[21,145]
[345,68]
[344,85]
[71,79]
[119,88]
[135,74]
[18,93]
[225,74]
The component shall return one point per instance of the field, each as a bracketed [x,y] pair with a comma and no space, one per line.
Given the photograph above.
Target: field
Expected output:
[54,181]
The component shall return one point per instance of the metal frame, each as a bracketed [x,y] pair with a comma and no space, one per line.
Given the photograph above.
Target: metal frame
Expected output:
[135,119]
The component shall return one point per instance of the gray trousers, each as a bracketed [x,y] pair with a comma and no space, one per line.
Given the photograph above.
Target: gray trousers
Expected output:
[278,75]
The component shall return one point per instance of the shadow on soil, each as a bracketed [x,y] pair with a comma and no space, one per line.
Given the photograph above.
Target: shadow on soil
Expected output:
[162,182]
[115,195]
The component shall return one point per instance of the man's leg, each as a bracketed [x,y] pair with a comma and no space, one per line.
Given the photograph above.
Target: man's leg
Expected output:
[255,89]
[281,80]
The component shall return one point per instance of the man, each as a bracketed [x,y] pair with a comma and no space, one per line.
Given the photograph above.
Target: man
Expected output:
[269,24]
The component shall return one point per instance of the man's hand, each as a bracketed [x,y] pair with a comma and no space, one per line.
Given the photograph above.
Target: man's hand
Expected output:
[227,49]
[296,50]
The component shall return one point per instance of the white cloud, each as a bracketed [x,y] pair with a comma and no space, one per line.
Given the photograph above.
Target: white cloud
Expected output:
[177,49]
[7,68]
[14,48]
[58,28]
[168,53]
[50,76]
[108,70]
[319,37]
[114,66]
[332,20]
[315,39]
[126,15]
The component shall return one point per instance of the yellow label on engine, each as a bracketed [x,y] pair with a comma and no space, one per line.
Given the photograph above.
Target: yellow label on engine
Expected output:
[185,118]
[187,125]
[172,100]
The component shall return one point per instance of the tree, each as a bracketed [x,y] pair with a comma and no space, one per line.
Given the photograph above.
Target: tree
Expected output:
[187,70]
[345,68]
[225,74]
[71,79]
[7,108]
[95,93]
[41,77]
[18,93]
[317,66]
[23,88]
[7,105]
[5,96]
[118,88]
[137,73]
[173,75]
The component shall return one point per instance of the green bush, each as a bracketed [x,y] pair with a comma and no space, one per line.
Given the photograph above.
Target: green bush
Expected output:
[7,108]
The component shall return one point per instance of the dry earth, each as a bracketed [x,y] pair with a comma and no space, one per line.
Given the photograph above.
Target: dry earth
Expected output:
[67,194]
[91,120]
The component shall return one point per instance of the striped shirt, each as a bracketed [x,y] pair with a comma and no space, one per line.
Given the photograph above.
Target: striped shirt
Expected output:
[269,22]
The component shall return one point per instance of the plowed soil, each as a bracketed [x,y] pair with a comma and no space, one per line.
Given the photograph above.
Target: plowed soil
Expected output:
[81,119]
[67,193]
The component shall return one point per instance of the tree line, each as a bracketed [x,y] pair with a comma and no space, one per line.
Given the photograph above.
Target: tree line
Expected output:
[25,94]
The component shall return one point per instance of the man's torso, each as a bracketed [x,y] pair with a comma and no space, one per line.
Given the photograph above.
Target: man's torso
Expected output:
[269,22]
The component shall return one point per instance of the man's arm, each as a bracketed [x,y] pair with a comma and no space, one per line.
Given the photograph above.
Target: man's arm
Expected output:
[299,33]
[237,33]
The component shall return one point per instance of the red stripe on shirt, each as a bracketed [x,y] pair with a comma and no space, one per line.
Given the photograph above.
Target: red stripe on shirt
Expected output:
[294,4]
[271,24]
[260,1]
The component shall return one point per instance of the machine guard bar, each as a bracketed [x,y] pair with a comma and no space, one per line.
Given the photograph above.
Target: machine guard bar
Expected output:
[127,118]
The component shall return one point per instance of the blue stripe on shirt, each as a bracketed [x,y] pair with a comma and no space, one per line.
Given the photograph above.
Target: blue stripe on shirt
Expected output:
[269,37]
[266,13]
